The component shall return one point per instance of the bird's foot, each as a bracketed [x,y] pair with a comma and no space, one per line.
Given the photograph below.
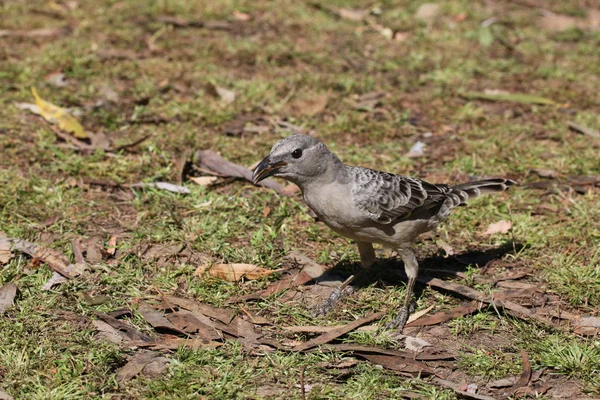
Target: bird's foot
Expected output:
[402,317]
[341,292]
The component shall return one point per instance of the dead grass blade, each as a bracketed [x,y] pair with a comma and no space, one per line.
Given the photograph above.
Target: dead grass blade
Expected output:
[135,366]
[8,292]
[462,310]
[336,333]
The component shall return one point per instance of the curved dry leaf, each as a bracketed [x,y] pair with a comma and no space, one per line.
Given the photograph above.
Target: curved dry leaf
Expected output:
[204,180]
[59,116]
[234,272]
[499,227]
[8,293]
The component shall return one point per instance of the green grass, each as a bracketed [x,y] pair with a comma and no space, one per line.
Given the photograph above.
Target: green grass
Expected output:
[289,51]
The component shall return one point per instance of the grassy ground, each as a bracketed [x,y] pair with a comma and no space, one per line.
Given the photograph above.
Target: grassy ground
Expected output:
[129,75]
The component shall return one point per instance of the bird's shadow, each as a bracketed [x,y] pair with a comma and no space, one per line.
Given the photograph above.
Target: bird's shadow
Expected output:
[390,271]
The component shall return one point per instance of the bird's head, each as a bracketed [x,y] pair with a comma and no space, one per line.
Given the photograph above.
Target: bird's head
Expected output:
[297,158]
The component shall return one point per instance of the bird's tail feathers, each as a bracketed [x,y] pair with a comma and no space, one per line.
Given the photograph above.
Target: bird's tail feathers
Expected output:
[470,190]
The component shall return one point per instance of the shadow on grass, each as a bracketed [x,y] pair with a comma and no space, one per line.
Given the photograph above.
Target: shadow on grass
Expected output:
[390,271]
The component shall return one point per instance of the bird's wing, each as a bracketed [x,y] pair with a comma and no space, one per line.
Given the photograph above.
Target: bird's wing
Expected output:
[386,198]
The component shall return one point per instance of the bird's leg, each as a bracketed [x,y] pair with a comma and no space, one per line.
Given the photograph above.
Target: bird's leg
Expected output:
[367,259]
[411,266]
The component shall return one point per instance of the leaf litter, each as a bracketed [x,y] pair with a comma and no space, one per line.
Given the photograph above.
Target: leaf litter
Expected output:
[234,272]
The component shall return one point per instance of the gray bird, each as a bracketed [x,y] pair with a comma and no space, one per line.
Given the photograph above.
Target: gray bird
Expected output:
[369,206]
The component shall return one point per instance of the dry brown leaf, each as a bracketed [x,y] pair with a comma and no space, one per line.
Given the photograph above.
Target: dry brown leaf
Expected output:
[463,309]
[157,319]
[213,162]
[156,367]
[498,227]
[55,280]
[127,329]
[221,314]
[204,180]
[587,325]
[111,247]
[342,330]
[400,364]
[546,173]
[418,314]
[310,105]
[59,116]
[109,333]
[55,260]
[42,32]
[5,253]
[135,366]
[234,272]
[8,292]
[352,14]
[584,130]
[311,328]
[190,323]
[226,96]
[173,343]
[557,22]
[241,16]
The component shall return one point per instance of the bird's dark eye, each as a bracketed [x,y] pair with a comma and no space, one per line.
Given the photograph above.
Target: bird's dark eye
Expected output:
[297,153]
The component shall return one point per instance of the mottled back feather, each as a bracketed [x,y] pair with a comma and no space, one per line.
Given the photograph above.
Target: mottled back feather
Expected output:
[388,198]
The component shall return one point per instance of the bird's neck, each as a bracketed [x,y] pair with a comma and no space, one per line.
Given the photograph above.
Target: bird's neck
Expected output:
[333,171]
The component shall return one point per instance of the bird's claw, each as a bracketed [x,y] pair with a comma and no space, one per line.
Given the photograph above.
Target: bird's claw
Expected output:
[400,321]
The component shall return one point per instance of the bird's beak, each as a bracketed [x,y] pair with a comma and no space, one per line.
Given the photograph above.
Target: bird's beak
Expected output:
[265,169]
